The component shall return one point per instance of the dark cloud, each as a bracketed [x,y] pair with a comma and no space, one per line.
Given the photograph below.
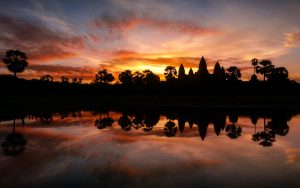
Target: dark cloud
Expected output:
[38,41]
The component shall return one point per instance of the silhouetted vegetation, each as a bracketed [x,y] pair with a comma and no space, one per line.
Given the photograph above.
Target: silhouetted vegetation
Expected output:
[222,86]
[15,61]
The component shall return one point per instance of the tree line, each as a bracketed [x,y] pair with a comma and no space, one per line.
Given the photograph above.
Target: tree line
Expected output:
[16,62]
[222,81]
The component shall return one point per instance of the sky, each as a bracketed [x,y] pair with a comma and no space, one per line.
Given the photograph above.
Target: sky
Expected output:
[77,38]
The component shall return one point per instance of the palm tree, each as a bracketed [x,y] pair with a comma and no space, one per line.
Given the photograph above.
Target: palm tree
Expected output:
[16,61]
[254,62]
[170,73]
[265,68]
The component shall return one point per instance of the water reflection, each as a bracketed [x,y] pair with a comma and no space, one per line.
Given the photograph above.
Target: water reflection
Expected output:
[120,148]
[275,123]
[14,143]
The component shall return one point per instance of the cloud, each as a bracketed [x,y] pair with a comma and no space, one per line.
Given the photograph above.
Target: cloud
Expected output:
[291,39]
[129,22]
[38,41]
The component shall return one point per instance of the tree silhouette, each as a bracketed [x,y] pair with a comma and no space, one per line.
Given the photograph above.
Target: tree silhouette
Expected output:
[170,73]
[151,79]
[181,72]
[254,62]
[265,68]
[104,77]
[138,78]
[46,78]
[64,80]
[279,74]
[15,61]
[233,73]
[126,77]
[80,80]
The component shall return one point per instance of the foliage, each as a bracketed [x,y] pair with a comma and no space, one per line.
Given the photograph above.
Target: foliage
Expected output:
[15,61]
[104,77]
[170,73]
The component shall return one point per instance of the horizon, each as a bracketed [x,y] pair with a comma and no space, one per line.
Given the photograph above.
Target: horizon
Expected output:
[76,39]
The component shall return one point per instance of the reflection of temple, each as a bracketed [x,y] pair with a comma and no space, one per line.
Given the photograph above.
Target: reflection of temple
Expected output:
[146,121]
[275,123]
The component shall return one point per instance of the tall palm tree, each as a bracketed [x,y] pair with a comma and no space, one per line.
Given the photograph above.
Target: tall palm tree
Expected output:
[265,68]
[16,61]
[254,62]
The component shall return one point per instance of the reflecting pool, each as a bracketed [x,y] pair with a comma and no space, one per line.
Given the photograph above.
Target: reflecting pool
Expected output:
[143,148]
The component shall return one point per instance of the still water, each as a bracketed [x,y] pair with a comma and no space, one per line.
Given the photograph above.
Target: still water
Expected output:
[150,149]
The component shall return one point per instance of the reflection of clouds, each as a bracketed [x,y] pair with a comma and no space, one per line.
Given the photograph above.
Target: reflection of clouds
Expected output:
[114,155]
[293,155]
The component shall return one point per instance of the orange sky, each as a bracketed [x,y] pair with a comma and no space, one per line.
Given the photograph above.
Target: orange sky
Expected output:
[76,39]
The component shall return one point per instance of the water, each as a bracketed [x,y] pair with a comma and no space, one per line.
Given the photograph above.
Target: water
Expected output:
[146,149]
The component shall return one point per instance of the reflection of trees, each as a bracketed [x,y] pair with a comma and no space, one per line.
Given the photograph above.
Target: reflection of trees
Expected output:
[277,125]
[233,131]
[125,122]
[14,143]
[265,137]
[151,119]
[102,123]
[137,122]
[145,121]
[170,129]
